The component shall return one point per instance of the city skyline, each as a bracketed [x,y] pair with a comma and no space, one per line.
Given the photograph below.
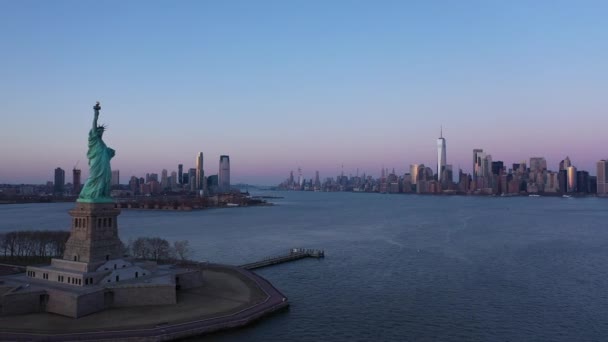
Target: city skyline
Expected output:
[314,85]
[339,169]
[488,175]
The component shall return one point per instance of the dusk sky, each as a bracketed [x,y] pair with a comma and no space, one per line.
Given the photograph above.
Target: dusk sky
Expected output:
[279,85]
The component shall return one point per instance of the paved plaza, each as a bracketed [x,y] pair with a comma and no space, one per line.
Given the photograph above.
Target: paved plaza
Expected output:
[227,292]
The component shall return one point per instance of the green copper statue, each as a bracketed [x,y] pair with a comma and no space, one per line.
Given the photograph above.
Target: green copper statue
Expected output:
[97,187]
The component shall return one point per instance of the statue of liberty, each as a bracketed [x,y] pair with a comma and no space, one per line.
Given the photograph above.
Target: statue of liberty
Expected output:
[97,187]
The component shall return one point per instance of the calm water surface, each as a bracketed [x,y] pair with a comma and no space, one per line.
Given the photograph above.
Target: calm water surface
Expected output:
[398,267]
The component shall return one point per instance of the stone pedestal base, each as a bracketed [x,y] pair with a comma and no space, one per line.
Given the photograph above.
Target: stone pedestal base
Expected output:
[94,234]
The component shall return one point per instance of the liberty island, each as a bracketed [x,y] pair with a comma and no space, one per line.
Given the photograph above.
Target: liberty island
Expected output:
[69,298]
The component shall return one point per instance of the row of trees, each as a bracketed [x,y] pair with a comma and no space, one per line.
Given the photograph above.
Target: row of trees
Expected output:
[33,243]
[156,248]
[51,243]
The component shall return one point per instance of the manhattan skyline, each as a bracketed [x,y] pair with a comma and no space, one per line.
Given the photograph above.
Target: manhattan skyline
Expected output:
[279,86]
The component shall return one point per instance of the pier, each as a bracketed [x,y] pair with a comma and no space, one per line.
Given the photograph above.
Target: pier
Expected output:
[293,254]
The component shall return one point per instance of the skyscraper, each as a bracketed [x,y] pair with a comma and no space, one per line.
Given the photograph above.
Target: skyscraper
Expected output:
[482,169]
[76,181]
[317,183]
[582,181]
[414,173]
[180,173]
[448,176]
[538,164]
[134,184]
[164,179]
[115,177]
[192,179]
[552,183]
[572,179]
[59,181]
[224,174]
[478,155]
[441,156]
[212,184]
[173,182]
[497,167]
[486,170]
[602,177]
[200,174]
[153,177]
[300,179]
[565,164]
[562,179]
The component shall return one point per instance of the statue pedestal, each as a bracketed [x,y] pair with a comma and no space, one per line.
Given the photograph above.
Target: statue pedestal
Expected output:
[94,234]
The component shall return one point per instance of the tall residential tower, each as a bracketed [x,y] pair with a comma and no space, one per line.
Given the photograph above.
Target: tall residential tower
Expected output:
[478,156]
[77,184]
[200,174]
[602,177]
[115,177]
[224,174]
[441,159]
[59,181]
[572,186]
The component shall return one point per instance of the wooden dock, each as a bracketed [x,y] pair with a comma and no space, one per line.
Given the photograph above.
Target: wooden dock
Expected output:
[293,254]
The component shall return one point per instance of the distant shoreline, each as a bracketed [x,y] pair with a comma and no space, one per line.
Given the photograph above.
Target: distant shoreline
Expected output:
[37,200]
[459,194]
[197,209]
[159,205]
[158,202]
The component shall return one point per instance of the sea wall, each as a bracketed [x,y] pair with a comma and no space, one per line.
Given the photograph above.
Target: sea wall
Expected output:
[189,279]
[62,303]
[18,302]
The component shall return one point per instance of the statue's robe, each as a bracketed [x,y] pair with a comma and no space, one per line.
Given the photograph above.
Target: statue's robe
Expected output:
[98,184]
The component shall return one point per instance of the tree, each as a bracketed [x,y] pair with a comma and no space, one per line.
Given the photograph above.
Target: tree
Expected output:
[33,243]
[159,248]
[141,248]
[10,239]
[181,249]
[3,244]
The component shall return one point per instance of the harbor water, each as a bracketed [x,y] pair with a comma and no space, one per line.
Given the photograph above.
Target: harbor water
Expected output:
[400,267]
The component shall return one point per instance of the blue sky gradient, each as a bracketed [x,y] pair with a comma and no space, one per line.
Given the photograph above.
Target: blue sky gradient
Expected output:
[316,84]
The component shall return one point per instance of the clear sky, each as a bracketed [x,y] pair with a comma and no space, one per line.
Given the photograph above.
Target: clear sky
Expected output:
[315,84]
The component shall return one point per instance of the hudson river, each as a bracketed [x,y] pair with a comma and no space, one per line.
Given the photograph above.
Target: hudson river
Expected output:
[401,267]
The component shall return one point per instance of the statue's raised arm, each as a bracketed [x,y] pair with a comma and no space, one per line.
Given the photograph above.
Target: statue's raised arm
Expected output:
[97,188]
[96,108]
